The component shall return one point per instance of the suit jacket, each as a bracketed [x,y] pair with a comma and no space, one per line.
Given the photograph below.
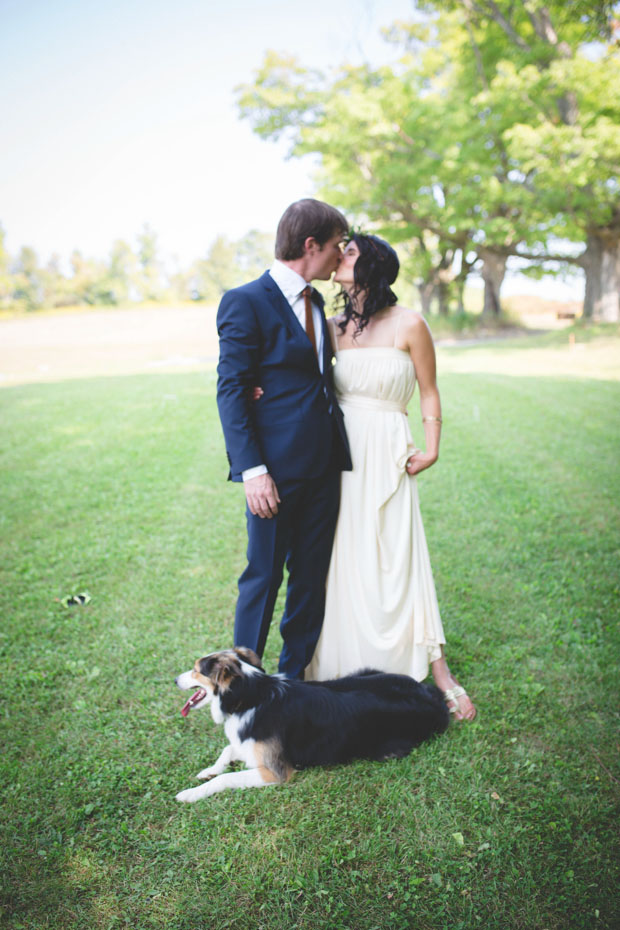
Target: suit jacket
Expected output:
[296,428]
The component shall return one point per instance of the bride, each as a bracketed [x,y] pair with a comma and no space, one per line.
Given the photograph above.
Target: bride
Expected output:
[381,608]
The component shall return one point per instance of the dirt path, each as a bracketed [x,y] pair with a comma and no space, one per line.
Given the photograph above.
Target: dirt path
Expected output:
[54,347]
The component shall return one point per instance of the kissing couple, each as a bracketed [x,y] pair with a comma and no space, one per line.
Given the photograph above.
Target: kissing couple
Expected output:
[314,414]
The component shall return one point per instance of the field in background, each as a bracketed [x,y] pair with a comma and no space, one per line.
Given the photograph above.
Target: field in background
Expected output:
[52,346]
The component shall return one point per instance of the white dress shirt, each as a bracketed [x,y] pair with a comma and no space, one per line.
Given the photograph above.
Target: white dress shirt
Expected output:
[292,284]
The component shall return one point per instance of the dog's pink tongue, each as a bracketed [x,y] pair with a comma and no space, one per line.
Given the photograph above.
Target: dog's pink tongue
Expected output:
[196,696]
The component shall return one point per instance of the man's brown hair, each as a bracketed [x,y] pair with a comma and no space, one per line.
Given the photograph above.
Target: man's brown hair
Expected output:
[303,219]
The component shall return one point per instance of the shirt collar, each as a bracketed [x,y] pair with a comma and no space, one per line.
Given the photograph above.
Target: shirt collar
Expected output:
[290,283]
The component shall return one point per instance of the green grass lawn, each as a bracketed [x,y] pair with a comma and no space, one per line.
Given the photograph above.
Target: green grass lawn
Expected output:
[117,487]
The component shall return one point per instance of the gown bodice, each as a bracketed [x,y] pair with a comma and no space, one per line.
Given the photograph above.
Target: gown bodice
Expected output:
[380,375]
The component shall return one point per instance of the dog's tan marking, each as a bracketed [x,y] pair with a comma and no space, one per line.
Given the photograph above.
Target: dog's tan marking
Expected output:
[201,679]
[248,655]
[225,669]
[272,767]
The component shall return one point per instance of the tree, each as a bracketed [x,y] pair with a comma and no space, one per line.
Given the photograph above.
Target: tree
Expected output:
[6,281]
[123,271]
[572,171]
[27,283]
[55,292]
[254,253]
[459,139]
[230,263]
[559,109]
[90,281]
[149,281]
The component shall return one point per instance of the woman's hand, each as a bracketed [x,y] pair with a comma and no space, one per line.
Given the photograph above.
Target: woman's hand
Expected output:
[255,393]
[419,461]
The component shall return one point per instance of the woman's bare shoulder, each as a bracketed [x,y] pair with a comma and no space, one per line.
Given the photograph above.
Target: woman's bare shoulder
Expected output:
[410,317]
[412,324]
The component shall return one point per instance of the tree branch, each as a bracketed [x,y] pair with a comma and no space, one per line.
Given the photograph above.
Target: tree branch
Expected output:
[477,56]
[549,257]
[545,30]
[491,9]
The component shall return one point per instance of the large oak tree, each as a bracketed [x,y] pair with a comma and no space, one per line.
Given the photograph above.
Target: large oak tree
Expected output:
[494,134]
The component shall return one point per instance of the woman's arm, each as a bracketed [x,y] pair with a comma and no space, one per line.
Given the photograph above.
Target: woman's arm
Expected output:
[415,332]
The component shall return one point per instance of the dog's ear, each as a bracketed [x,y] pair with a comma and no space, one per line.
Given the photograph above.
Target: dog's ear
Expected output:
[226,669]
[249,656]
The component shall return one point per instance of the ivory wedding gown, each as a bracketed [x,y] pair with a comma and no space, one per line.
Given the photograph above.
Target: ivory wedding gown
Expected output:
[381,608]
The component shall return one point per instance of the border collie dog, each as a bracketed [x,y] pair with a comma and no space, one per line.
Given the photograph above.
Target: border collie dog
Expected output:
[276,725]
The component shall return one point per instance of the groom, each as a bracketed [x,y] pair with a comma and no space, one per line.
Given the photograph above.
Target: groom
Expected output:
[289,446]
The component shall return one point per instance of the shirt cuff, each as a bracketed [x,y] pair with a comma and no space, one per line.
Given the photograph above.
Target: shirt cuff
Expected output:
[254,472]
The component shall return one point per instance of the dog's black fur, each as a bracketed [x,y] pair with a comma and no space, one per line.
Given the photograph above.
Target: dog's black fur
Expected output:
[368,715]
[294,725]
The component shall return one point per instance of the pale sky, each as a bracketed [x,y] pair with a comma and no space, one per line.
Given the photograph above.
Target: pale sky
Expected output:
[122,112]
[119,113]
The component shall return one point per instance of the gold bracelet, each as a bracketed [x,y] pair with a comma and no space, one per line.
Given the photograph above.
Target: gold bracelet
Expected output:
[432,420]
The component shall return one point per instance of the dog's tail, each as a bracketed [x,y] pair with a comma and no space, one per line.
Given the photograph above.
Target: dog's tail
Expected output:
[438,714]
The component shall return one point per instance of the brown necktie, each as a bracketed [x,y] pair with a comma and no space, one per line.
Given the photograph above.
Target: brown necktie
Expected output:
[307,291]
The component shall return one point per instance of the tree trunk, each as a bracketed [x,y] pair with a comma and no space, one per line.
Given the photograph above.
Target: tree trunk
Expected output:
[443,300]
[426,289]
[493,273]
[601,262]
[461,280]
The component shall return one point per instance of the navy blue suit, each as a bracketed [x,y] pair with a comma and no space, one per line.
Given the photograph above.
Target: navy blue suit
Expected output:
[296,429]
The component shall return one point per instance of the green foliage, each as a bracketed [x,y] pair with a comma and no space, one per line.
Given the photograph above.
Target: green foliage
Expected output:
[122,271]
[231,263]
[129,276]
[118,487]
[495,133]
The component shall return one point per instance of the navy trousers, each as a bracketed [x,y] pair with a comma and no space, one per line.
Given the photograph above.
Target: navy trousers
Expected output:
[300,536]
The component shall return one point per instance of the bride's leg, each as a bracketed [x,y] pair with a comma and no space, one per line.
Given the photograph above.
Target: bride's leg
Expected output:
[445,681]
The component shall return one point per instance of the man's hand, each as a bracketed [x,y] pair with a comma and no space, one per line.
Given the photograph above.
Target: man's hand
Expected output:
[262,496]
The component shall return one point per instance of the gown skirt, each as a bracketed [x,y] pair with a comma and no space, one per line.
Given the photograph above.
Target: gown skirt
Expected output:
[381,608]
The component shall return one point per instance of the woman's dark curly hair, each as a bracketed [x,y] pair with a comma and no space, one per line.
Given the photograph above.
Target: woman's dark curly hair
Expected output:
[376,268]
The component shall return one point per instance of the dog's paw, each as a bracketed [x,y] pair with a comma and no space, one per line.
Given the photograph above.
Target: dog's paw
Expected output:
[208,773]
[190,795]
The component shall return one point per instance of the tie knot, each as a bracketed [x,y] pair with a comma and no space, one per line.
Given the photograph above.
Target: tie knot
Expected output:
[307,291]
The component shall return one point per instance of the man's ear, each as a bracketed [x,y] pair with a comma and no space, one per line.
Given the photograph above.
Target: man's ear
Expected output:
[311,245]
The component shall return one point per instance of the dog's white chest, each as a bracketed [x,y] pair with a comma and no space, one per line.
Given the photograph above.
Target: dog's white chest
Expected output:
[243,749]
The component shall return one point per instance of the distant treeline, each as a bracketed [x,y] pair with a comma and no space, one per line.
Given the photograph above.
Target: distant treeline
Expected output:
[129,275]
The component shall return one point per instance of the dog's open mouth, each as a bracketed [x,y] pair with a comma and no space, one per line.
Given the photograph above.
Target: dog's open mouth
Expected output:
[196,698]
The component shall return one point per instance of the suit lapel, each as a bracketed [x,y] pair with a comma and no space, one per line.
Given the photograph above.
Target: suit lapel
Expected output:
[280,305]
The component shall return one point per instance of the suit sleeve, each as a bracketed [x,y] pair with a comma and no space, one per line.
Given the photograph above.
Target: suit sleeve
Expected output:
[240,341]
